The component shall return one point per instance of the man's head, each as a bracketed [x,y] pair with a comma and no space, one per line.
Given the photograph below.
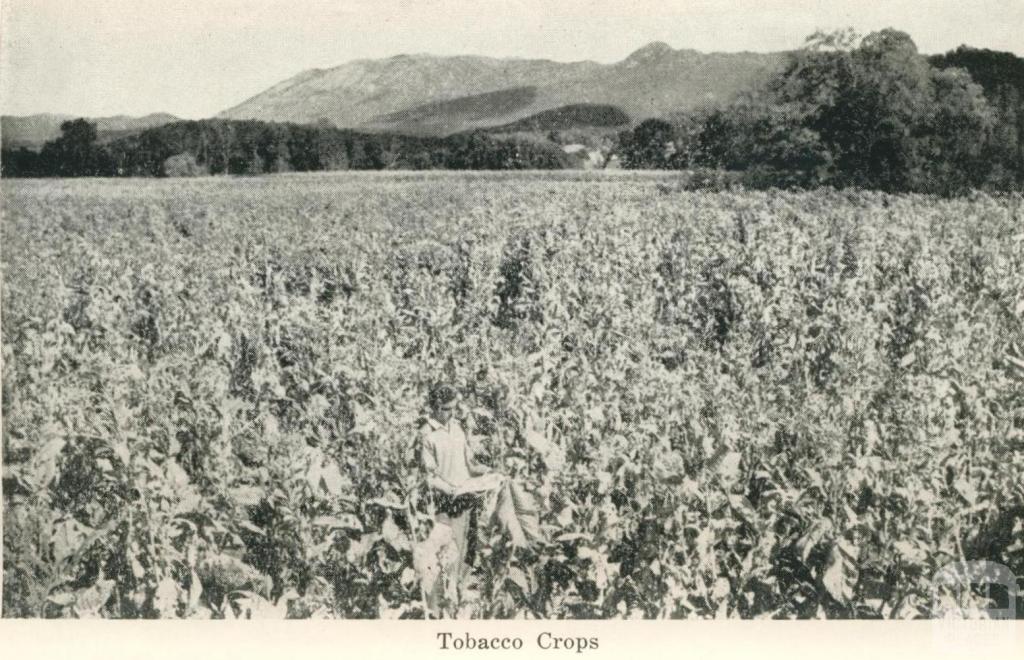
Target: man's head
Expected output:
[442,402]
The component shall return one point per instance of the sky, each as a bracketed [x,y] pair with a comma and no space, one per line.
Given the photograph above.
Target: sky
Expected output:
[195,58]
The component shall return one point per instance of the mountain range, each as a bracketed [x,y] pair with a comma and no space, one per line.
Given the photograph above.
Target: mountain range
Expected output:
[439,95]
[433,95]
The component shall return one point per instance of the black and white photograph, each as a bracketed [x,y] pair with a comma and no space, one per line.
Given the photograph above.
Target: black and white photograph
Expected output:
[452,311]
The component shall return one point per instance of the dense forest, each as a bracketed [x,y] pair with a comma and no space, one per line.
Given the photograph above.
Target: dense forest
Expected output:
[845,111]
[216,146]
[871,113]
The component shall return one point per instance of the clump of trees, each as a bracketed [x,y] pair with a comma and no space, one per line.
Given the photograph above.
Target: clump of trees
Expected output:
[650,146]
[1001,76]
[75,153]
[871,113]
[191,148]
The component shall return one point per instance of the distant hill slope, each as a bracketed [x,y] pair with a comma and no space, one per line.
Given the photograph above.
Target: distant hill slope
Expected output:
[568,117]
[455,115]
[435,91]
[32,131]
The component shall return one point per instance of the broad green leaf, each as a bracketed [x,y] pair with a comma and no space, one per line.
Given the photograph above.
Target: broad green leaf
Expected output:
[519,578]
[90,601]
[166,597]
[437,552]
[841,573]
[393,535]
[331,479]
[63,599]
[339,521]
[247,495]
[911,552]
[44,463]
[68,536]
[729,468]
[817,532]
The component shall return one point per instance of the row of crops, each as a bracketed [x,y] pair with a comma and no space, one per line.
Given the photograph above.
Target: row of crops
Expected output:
[739,404]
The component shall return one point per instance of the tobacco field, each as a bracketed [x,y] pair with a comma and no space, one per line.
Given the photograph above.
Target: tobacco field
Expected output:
[727,404]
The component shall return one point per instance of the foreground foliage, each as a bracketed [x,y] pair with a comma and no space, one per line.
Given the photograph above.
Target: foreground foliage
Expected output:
[733,404]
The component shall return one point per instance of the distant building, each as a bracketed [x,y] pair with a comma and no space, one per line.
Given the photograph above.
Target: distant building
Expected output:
[588,158]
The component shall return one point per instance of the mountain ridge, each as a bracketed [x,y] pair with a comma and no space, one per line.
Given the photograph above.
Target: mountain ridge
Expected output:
[368,94]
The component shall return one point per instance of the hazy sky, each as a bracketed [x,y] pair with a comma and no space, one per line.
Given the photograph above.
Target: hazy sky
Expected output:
[193,59]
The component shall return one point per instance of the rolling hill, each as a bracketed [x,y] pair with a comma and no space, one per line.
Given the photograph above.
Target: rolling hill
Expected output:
[455,115]
[433,95]
[31,131]
[568,117]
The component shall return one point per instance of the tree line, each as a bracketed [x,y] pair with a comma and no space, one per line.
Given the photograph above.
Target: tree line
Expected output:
[871,113]
[217,146]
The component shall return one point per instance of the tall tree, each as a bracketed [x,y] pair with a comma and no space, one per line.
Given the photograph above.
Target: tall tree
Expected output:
[886,117]
[1001,76]
[650,145]
[75,152]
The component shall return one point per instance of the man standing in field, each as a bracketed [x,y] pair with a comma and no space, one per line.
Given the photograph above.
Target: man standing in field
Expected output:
[446,459]
[457,483]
